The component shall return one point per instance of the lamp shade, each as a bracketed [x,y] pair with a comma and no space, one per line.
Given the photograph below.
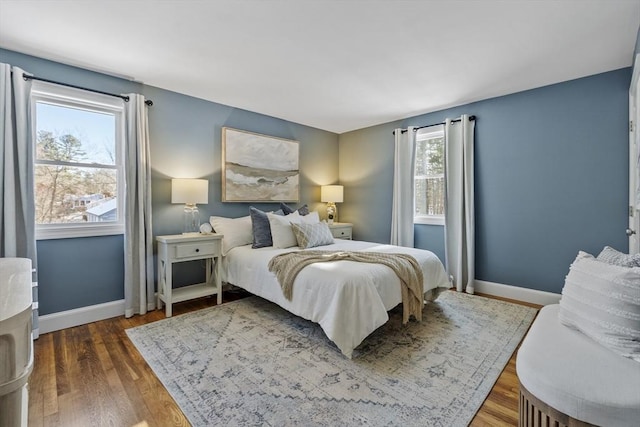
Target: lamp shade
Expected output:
[332,193]
[190,191]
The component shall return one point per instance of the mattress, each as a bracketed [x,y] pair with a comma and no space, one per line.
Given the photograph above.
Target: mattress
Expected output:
[348,299]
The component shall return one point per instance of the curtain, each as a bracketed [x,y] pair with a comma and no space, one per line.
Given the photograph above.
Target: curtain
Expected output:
[459,210]
[403,177]
[17,202]
[138,254]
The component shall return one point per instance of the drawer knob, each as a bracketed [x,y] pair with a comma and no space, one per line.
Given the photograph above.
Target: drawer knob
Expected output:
[197,250]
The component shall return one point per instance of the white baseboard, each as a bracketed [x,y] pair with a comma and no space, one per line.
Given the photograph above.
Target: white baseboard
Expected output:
[514,292]
[94,313]
[80,316]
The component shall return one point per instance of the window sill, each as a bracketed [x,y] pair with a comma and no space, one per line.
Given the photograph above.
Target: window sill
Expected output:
[429,220]
[45,232]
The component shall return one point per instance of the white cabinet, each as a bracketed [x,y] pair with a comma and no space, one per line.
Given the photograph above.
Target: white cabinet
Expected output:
[188,247]
[341,230]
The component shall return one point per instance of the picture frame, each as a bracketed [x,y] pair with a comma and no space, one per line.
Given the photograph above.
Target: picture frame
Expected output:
[259,168]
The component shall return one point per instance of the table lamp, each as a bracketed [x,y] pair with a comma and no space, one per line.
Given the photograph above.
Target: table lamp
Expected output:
[190,192]
[332,194]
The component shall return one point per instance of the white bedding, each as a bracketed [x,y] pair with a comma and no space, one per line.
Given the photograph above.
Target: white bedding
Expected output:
[348,299]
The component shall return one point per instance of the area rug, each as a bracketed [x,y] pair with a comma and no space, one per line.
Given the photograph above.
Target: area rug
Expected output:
[249,362]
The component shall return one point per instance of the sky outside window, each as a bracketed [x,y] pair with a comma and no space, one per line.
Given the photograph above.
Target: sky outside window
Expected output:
[95,130]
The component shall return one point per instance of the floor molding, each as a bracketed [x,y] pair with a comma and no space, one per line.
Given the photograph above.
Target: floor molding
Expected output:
[515,292]
[80,316]
[94,313]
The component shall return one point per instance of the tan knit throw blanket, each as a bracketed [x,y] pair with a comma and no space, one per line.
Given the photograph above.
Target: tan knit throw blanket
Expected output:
[287,266]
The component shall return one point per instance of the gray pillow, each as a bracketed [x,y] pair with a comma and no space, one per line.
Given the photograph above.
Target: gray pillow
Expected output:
[312,235]
[261,228]
[302,210]
[614,257]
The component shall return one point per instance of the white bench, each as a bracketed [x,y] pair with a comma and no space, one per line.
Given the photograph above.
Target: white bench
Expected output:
[567,379]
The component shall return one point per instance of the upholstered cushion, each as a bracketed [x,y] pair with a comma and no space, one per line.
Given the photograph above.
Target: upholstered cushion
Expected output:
[312,235]
[302,210]
[614,257]
[281,231]
[603,302]
[577,376]
[236,231]
[261,228]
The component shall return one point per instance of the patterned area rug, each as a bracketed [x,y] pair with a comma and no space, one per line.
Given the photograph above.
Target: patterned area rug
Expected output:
[249,362]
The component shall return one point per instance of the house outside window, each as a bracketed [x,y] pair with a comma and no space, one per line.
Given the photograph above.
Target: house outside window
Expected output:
[429,176]
[78,141]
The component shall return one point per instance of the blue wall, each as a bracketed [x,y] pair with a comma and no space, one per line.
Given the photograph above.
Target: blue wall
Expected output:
[185,135]
[551,178]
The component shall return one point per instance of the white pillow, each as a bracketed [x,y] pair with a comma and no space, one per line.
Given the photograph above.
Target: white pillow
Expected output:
[310,218]
[236,231]
[281,232]
[615,257]
[603,302]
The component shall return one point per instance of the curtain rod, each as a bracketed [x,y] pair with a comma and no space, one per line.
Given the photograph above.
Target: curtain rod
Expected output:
[472,118]
[124,97]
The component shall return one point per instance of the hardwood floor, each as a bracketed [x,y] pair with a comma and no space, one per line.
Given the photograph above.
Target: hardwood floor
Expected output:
[92,375]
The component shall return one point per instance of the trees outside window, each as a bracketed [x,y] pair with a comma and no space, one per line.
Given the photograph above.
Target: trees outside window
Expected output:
[78,162]
[429,177]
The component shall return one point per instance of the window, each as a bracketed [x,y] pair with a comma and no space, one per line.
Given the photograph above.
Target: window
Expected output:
[78,153]
[429,176]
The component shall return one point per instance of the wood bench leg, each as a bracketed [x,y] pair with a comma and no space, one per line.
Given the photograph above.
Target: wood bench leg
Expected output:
[533,412]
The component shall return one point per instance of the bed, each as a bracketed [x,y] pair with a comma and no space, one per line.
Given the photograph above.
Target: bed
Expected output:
[349,300]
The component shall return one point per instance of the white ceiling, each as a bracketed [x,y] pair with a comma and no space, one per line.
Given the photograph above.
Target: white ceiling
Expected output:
[334,65]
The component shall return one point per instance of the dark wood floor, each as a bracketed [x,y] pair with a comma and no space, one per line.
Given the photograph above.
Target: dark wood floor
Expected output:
[92,375]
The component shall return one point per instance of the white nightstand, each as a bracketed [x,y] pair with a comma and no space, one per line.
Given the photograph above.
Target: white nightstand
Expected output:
[188,247]
[341,230]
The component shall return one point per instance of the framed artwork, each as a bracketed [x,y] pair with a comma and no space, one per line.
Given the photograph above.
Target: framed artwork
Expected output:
[259,168]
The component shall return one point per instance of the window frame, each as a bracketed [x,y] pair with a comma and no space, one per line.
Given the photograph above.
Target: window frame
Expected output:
[94,102]
[423,134]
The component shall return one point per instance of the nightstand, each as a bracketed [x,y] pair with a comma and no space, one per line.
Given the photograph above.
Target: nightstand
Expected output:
[341,230]
[188,247]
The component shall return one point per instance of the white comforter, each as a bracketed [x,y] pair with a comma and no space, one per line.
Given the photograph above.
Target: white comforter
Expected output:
[348,299]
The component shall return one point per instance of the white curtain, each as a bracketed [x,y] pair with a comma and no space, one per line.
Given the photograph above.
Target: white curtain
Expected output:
[138,267]
[17,202]
[459,209]
[403,176]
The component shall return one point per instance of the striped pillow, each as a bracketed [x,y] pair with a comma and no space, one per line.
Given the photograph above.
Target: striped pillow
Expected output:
[603,302]
[614,257]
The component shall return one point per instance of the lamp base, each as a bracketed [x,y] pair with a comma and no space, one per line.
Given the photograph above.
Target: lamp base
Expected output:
[332,213]
[191,223]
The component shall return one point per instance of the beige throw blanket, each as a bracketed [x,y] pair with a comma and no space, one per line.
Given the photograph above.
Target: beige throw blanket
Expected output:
[287,266]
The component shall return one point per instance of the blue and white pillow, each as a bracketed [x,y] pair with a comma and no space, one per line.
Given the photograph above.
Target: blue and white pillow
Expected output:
[312,235]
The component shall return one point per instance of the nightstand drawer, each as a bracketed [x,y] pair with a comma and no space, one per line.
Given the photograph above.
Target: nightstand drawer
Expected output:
[198,249]
[341,232]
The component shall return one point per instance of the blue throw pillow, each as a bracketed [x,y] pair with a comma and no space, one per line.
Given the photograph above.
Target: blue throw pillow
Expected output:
[286,209]
[303,210]
[261,228]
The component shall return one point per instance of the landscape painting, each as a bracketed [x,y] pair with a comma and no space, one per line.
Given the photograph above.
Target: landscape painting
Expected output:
[258,168]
